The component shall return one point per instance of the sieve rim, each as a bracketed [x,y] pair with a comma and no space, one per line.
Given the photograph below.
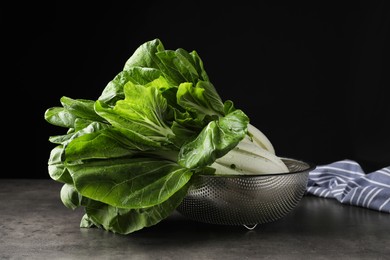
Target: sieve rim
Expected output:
[309,167]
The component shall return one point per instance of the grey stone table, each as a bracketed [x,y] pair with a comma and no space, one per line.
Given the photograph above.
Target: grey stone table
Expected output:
[35,225]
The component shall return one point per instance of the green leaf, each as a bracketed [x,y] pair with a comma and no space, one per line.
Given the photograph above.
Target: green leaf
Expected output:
[104,144]
[145,55]
[61,139]
[178,68]
[70,197]
[181,66]
[137,75]
[126,221]
[215,140]
[198,63]
[82,126]
[57,170]
[124,125]
[87,222]
[201,99]
[56,167]
[60,116]
[129,182]
[228,107]
[81,108]
[144,111]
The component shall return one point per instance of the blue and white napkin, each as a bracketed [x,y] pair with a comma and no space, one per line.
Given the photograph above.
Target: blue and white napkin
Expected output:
[346,182]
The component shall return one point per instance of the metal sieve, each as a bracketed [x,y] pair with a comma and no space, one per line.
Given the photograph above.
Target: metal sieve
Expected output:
[246,199]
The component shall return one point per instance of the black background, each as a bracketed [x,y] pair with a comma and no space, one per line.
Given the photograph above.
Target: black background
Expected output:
[313,76]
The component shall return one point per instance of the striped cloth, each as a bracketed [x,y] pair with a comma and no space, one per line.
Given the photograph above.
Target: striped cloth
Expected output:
[346,182]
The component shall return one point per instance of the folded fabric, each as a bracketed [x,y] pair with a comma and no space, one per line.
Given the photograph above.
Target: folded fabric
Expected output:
[346,182]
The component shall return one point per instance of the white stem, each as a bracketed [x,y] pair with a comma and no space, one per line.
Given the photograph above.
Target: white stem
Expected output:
[249,159]
[260,139]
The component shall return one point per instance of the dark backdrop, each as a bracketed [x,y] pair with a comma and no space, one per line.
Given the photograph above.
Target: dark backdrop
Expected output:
[314,77]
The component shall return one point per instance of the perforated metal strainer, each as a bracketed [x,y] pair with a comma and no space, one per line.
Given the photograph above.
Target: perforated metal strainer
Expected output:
[246,199]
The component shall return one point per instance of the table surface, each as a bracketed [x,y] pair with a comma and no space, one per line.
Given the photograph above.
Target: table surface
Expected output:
[34,224]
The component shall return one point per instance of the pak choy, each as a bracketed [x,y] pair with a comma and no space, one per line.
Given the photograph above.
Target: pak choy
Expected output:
[128,157]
